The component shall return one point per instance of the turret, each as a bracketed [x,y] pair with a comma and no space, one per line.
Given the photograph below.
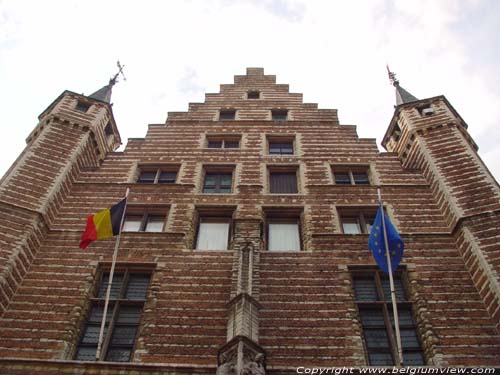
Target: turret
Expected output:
[430,135]
[73,133]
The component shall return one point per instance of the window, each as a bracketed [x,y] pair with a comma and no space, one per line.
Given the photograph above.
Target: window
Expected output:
[217,182]
[283,229]
[425,110]
[279,114]
[214,227]
[373,298]
[351,175]
[356,221]
[281,148]
[143,222]
[223,141]
[82,106]
[227,115]
[108,129]
[283,181]
[127,298]
[154,175]
[253,94]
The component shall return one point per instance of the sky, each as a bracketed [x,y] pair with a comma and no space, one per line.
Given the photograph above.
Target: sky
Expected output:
[334,52]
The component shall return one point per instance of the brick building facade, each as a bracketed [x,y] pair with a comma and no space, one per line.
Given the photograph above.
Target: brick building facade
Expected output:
[245,239]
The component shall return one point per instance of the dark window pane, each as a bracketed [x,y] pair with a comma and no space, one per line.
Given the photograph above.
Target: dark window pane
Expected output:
[147,177]
[82,107]
[123,335]
[398,287]
[372,318]
[287,149]
[137,287]
[225,179]
[231,144]
[284,183]
[227,115]
[360,178]
[129,314]
[214,144]
[118,355]
[342,178]
[276,148]
[91,334]
[409,339]
[217,183]
[253,95]
[210,179]
[413,359]
[108,130]
[115,286]
[279,115]
[365,290]
[86,353]
[167,177]
[404,315]
[96,313]
[376,338]
[380,359]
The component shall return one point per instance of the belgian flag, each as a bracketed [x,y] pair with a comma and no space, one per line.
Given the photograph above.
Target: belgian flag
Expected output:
[104,224]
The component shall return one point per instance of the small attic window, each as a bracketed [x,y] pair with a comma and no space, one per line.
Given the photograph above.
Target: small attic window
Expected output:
[82,106]
[253,94]
[227,115]
[108,130]
[279,114]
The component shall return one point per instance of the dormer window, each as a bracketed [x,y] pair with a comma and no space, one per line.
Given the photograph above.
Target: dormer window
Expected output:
[227,115]
[82,106]
[279,114]
[253,94]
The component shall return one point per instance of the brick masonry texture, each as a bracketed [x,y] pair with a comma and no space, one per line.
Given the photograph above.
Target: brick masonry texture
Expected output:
[437,191]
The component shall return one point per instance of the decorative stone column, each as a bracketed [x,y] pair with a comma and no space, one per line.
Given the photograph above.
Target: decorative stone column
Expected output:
[242,353]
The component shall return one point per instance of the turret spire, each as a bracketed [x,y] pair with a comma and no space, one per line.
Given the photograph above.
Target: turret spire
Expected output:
[104,93]
[402,96]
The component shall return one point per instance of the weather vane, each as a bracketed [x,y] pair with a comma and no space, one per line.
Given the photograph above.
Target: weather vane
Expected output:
[392,76]
[120,71]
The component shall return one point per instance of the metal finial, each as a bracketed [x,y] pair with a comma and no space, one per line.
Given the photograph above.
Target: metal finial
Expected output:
[392,77]
[113,80]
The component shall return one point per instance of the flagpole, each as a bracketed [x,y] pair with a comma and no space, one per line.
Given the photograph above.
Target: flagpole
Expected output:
[399,361]
[110,282]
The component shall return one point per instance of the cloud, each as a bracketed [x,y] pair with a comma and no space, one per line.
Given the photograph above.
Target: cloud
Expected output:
[189,82]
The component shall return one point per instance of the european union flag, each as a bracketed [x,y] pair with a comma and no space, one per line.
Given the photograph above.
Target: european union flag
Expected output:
[376,242]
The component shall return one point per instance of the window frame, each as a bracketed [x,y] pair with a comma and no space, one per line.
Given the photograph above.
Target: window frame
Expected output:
[285,215]
[280,141]
[384,303]
[127,271]
[219,214]
[363,215]
[351,171]
[145,214]
[280,115]
[223,114]
[224,140]
[158,170]
[285,169]
[217,169]
[251,94]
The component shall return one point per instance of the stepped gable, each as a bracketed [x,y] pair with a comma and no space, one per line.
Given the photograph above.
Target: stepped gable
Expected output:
[271,96]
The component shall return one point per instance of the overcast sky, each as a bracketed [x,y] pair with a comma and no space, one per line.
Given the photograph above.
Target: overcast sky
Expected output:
[334,52]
